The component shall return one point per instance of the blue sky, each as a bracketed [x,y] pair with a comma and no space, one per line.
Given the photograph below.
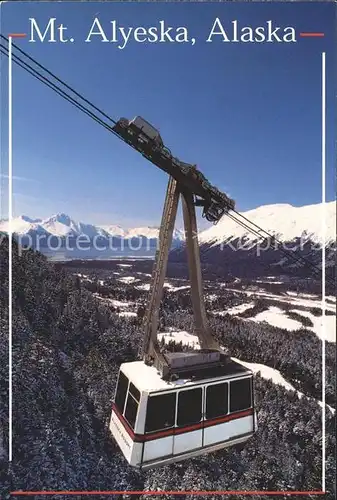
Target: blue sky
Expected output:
[248,114]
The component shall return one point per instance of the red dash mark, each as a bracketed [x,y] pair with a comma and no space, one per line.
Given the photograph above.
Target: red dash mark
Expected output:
[17,35]
[312,34]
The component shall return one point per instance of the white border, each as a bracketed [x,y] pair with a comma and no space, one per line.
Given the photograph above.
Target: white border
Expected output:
[323,259]
[10,216]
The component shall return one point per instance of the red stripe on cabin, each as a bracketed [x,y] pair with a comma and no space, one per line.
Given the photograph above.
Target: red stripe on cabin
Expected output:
[140,438]
[227,418]
[124,422]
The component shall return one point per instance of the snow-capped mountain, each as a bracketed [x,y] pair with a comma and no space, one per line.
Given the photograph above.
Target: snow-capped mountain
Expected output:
[284,221]
[152,233]
[149,232]
[22,225]
[114,230]
[61,225]
[58,225]
[220,245]
[235,251]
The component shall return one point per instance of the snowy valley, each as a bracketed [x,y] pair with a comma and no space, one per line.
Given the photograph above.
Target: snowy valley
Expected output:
[76,321]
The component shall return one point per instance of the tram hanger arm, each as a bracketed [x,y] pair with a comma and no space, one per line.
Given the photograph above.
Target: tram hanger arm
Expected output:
[151,350]
[206,340]
[188,179]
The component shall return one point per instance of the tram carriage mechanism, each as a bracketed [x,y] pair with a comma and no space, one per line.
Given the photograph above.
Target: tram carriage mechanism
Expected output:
[173,406]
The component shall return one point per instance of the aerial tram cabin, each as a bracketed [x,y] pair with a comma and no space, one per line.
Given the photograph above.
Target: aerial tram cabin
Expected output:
[156,422]
[175,405]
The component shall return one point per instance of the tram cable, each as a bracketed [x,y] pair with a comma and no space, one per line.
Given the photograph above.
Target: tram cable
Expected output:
[154,409]
[62,93]
[276,242]
[59,80]
[84,108]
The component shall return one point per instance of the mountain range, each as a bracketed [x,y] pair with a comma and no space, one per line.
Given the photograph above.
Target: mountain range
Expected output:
[227,247]
[283,220]
[231,250]
[62,225]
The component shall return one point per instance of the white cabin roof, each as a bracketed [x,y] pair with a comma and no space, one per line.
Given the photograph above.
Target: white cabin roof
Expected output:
[147,378]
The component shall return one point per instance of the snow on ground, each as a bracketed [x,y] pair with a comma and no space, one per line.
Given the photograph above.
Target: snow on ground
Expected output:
[271,374]
[146,286]
[252,289]
[303,295]
[119,303]
[85,277]
[328,332]
[145,274]
[127,313]
[271,282]
[265,371]
[240,308]
[114,302]
[172,288]
[211,297]
[127,279]
[277,317]
[180,336]
[236,309]
[124,265]
[298,300]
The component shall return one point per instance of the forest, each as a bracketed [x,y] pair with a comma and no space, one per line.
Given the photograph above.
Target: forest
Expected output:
[67,347]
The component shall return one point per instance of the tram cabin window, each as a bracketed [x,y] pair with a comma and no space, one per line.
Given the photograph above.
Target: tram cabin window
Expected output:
[122,388]
[132,403]
[160,413]
[134,391]
[240,394]
[189,407]
[216,400]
